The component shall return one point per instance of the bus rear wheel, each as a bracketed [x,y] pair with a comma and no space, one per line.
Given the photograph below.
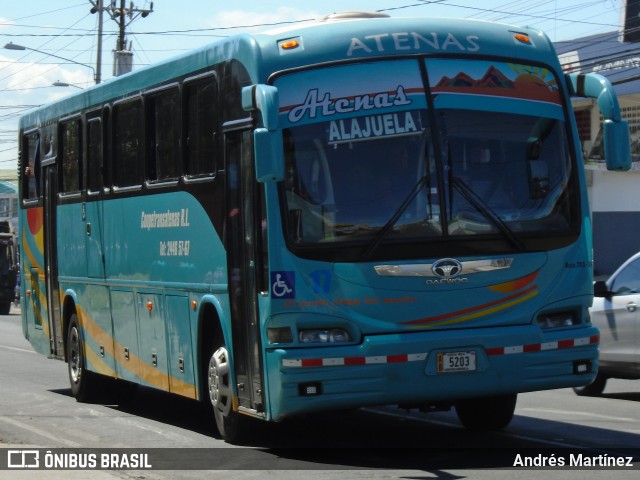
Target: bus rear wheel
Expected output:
[84,383]
[486,413]
[230,424]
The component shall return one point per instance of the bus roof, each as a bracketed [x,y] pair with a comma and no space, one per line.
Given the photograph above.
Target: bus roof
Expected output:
[355,38]
[317,43]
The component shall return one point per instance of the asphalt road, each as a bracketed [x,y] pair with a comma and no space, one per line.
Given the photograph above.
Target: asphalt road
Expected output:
[37,411]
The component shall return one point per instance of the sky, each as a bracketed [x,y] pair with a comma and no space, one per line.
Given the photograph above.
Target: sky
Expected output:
[67,29]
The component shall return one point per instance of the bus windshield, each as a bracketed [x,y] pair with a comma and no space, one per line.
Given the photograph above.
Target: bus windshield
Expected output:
[469,169]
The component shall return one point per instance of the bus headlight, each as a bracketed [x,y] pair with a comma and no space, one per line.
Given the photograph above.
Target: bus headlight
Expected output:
[279,335]
[332,335]
[557,320]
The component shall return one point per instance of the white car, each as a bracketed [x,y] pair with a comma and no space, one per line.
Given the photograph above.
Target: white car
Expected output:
[616,313]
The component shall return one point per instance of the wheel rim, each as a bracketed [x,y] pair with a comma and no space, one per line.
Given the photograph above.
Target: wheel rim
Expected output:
[75,355]
[219,387]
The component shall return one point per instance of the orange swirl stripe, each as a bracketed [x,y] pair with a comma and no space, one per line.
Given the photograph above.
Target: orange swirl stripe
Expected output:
[484,309]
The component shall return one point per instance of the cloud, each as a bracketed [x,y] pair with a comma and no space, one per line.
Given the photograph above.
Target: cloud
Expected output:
[245,20]
[5,22]
[22,76]
[26,84]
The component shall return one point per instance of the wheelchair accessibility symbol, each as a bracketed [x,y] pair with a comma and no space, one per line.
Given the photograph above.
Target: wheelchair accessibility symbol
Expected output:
[283,284]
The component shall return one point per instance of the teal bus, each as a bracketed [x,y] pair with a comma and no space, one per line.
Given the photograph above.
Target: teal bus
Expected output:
[357,211]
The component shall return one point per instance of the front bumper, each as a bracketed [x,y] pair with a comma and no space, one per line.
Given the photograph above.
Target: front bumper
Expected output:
[402,368]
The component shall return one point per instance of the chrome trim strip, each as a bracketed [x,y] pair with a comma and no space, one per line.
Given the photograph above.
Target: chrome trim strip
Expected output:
[426,269]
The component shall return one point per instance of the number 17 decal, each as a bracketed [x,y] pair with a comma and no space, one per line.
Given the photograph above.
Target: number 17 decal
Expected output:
[321,280]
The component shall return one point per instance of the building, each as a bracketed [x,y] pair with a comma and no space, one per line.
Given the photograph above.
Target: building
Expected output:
[614,196]
[9,203]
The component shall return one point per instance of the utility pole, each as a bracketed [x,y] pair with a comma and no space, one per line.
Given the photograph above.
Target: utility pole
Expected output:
[99,60]
[122,57]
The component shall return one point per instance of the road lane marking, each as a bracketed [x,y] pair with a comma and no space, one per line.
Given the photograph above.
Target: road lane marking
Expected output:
[567,413]
[38,431]
[17,349]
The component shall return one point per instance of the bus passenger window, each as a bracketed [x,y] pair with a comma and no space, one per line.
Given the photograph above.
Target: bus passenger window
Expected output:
[128,143]
[30,166]
[201,99]
[71,154]
[163,117]
[94,155]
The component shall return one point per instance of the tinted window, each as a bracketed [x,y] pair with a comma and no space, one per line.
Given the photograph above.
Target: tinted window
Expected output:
[94,155]
[128,144]
[71,156]
[200,126]
[628,280]
[30,166]
[163,116]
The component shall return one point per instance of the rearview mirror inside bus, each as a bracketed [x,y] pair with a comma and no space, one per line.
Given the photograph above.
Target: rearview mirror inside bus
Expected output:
[268,153]
[539,183]
[617,145]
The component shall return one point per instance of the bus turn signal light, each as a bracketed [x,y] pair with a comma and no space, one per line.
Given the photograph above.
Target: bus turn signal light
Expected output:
[522,38]
[289,44]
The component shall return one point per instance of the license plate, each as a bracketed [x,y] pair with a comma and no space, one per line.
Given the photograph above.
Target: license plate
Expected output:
[456,362]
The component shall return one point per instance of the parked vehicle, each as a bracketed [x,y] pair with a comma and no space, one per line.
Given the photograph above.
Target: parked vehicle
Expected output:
[8,266]
[615,312]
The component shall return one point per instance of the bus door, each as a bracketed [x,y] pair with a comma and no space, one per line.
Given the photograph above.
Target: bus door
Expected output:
[94,207]
[242,239]
[50,195]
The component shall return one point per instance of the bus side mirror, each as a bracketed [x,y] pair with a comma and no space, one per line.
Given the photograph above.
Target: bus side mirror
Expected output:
[264,99]
[269,155]
[267,139]
[617,145]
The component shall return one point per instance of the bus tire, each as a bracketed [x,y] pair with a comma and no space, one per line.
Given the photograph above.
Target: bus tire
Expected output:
[5,308]
[84,383]
[486,413]
[230,424]
[593,389]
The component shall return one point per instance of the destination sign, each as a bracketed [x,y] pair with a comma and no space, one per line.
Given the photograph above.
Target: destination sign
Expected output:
[374,126]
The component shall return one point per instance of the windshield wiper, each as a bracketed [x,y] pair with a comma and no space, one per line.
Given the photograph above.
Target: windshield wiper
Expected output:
[382,233]
[473,198]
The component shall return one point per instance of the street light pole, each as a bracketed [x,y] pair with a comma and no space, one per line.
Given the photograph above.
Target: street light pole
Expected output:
[58,83]
[13,46]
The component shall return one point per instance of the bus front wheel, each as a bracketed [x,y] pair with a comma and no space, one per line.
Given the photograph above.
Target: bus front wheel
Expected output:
[594,389]
[486,413]
[83,382]
[229,423]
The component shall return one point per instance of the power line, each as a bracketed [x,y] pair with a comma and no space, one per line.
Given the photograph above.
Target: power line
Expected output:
[188,32]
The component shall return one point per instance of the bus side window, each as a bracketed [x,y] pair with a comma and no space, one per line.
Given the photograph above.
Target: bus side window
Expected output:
[163,137]
[94,155]
[128,143]
[30,166]
[200,107]
[71,155]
